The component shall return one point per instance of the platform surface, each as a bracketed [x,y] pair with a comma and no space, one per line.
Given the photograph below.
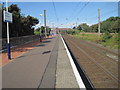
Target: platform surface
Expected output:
[45,66]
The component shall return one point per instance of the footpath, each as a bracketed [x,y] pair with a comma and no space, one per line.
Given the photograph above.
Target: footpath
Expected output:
[45,66]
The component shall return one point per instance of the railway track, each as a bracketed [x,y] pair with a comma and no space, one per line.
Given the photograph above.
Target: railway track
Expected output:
[101,70]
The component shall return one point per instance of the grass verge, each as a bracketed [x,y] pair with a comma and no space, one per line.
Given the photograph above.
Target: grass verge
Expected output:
[111,40]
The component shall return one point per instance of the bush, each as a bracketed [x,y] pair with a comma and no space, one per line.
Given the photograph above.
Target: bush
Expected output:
[106,36]
[73,32]
[36,32]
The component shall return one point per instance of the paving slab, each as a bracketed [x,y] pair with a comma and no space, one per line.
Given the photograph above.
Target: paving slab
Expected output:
[65,77]
[49,77]
[27,70]
[45,66]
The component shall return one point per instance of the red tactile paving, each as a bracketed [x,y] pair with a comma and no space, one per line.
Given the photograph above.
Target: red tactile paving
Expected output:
[17,51]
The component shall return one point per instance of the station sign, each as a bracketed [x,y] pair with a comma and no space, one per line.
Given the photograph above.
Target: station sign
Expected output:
[7,17]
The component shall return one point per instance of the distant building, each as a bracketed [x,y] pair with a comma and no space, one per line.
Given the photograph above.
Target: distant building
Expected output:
[63,28]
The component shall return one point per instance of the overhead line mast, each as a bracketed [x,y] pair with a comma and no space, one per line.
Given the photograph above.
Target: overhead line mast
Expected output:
[98,22]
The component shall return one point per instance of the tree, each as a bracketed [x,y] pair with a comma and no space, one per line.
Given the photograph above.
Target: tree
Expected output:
[15,26]
[42,29]
[74,27]
[110,25]
[29,23]
[13,8]
[94,28]
[79,27]
[21,25]
[116,26]
[37,31]
[48,30]
[84,27]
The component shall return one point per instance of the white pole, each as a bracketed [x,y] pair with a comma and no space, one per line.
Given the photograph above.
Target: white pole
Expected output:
[8,41]
[7,5]
[7,23]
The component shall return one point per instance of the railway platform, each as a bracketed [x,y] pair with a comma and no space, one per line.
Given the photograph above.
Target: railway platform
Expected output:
[45,66]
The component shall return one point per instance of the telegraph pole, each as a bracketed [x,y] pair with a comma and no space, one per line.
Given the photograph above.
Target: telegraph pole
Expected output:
[8,41]
[45,23]
[98,22]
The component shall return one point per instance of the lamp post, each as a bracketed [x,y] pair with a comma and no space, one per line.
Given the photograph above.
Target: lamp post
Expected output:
[40,31]
[45,23]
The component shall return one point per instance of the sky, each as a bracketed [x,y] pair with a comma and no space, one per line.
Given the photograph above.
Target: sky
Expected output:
[68,14]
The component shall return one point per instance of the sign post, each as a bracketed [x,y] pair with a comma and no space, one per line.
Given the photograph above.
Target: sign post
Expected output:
[8,18]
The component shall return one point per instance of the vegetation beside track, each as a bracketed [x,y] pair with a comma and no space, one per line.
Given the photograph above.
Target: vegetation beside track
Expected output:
[42,28]
[109,29]
[107,40]
[110,40]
